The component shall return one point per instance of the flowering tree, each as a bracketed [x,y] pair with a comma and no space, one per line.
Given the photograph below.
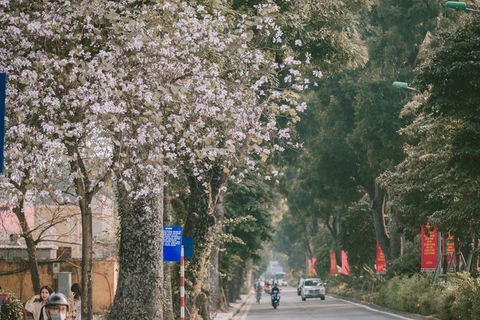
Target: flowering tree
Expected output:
[54,143]
[121,88]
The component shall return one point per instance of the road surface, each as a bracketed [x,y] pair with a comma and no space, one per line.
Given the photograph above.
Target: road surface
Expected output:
[292,308]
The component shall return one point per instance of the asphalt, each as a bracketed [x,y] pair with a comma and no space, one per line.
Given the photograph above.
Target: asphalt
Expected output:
[237,305]
[233,309]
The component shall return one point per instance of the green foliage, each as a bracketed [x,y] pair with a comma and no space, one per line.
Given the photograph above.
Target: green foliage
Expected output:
[357,236]
[287,240]
[457,298]
[321,31]
[451,77]
[368,281]
[460,299]
[11,310]
[364,287]
[410,294]
[438,182]
[396,29]
[351,127]
[248,219]
[409,262]
[322,243]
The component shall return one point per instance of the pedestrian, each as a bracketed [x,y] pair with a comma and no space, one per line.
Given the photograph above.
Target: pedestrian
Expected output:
[56,307]
[76,301]
[36,305]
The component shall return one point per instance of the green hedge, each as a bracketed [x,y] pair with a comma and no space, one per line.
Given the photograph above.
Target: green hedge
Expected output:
[461,299]
[456,296]
[414,294]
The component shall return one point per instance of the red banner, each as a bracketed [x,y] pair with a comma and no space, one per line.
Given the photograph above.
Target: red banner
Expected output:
[311,267]
[451,253]
[345,266]
[333,262]
[381,264]
[429,248]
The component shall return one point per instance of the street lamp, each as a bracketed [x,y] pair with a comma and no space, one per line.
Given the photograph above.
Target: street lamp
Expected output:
[402,85]
[459,6]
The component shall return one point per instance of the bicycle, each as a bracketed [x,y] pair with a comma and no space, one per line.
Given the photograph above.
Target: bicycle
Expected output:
[259,296]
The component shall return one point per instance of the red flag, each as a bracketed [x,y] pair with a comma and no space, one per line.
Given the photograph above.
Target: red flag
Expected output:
[345,267]
[381,264]
[311,267]
[333,262]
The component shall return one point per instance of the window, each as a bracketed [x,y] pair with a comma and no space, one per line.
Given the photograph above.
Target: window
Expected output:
[64,253]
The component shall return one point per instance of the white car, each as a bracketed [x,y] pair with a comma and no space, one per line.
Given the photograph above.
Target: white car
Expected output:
[312,288]
[283,282]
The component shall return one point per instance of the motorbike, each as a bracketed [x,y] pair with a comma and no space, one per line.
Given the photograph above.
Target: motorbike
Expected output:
[275,300]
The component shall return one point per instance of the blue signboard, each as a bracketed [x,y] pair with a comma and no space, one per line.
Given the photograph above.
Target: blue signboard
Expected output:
[172,243]
[3,96]
[188,247]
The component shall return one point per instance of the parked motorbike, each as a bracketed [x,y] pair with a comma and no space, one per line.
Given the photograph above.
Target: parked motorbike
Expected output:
[275,300]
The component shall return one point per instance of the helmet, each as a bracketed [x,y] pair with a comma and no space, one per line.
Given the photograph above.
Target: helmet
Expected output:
[56,299]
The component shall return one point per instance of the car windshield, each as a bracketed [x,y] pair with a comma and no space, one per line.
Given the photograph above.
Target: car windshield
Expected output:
[312,282]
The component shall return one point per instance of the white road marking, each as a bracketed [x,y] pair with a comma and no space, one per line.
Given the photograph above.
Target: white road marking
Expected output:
[245,311]
[374,310]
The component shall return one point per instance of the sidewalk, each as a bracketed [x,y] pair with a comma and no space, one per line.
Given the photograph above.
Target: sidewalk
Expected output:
[234,309]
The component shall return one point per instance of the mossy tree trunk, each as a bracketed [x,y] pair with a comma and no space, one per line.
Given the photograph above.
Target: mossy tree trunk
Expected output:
[140,280]
[201,224]
[235,285]
[216,293]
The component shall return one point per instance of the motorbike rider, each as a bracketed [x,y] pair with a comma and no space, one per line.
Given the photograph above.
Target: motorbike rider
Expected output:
[275,288]
[56,307]
[275,292]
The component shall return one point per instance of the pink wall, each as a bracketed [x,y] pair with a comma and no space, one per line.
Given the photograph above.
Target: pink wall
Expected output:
[9,222]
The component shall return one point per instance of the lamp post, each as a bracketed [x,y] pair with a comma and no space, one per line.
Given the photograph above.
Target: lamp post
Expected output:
[459,6]
[402,85]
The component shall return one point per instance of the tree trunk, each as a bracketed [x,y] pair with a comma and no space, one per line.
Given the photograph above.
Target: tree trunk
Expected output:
[167,266]
[389,240]
[216,292]
[87,257]
[82,186]
[474,265]
[236,283]
[140,279]
[31,245]
[201,225]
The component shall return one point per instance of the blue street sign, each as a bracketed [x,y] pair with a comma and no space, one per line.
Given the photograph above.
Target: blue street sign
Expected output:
[172,243]
[188,247]
[3,97]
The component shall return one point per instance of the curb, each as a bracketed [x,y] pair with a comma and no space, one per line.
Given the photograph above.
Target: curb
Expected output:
[235,312]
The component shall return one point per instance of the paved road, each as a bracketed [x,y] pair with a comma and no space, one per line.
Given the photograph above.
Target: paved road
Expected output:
[292,308]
